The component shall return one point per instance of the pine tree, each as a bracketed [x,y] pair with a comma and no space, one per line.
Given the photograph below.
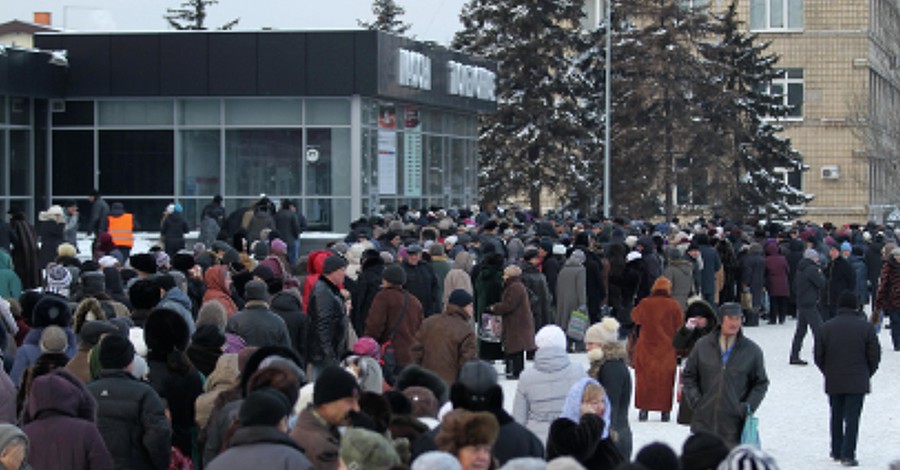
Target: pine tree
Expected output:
[192,16]
[387,18]
[533,140]
[748,113]
[659,139]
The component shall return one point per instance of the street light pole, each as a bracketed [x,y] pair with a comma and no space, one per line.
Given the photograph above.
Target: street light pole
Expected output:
[608,115]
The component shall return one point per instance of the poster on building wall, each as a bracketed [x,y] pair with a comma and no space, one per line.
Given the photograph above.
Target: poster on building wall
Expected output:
[387,150]
[412,152]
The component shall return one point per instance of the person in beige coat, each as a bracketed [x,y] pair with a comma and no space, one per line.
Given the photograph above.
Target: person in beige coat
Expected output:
[459,276]
[224,377]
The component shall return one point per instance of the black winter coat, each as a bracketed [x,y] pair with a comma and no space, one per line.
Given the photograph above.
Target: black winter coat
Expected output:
[327,335]
[793,256]
[550,266]
[180,392]
[367,284]
[422,283]
[173,230]
[583,442]
[809,282]
[542,303]
[288,304]
[615,377]
[132,421]
[287,222]
[848,353]
[596,291]
[719,393]
[839,276]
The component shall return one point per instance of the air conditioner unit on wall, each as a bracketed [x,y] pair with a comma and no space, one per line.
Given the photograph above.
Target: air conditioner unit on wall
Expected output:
[830,173]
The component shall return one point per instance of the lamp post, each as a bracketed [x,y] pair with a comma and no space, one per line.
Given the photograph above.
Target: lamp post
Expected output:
[608,116]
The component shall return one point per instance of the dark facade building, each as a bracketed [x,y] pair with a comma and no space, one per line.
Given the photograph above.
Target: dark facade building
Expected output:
[345,123]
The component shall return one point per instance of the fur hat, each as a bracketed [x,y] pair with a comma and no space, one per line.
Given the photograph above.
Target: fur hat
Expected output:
[550,336]
[657,456]
[144,294]
[264,407]
[413,375]
[93,283]
[143,262]
[255,290]
[362,449]
[604,332]
[66,250]
[333,384]
[703,450]
[183,262]
[116,352]
[87,311]
[395,274]
[662,284]
[165,330]
[462,428]
[51,309]
[54,340]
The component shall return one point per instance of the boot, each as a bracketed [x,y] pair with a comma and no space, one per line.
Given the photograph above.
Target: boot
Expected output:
[665,417]
[642,415]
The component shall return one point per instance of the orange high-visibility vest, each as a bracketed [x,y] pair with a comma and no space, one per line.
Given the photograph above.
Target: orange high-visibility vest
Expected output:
[120,228]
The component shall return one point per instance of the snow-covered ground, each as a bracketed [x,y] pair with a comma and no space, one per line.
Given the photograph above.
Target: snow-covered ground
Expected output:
[794,417]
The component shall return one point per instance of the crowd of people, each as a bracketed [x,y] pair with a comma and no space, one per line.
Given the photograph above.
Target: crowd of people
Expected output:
[378,352]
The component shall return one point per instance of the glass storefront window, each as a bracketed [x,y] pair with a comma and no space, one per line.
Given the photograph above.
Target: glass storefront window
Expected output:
[200,163]
[136,113]
[20,111]
[327,160]
[76,113]
[263,161]
[199,113]
[271,112]
[457,157]
[2,110]
[137,163]
[20,162]
[328,112]
[331,215]
[434,154]
[73,162]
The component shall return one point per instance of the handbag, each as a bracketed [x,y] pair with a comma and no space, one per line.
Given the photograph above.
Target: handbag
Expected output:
[491,328]
[747,300]
[750,433]
[578,324]
[388,351]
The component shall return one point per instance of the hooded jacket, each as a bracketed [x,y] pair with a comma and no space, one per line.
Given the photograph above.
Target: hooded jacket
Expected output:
[10,284]
[583,437]
[60,426]
[542,389]
[215,288]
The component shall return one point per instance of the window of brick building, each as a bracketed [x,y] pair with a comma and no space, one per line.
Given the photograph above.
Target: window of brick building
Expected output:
[776,15]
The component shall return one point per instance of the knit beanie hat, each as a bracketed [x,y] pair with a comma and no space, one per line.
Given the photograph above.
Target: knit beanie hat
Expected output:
[333,384]
[362,449]
[436,460]
[747,457]
[278,246]
[367,346]
[395,274]
[264,407]
[811,254]
[703,451]
[92,331]
[54,340]
[58,278]
[422,400]
[550,336]
[332,264]
[460,298]
[116,352]
[603,332]
[255,290]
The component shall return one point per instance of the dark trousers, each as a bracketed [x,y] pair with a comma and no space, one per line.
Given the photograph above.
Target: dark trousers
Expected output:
[894,315]
[778,309]
[805,316]
[515,363]
[845,411]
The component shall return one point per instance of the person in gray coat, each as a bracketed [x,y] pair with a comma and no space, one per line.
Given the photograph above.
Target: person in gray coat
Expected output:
[541,391]
[808,284]
[258,325]
[571,289]
[725,378]
[681,272]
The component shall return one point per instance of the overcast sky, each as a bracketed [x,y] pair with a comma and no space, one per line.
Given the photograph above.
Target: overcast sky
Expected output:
[435,20]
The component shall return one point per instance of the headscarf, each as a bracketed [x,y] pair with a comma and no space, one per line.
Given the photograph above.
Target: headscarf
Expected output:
[572,407]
